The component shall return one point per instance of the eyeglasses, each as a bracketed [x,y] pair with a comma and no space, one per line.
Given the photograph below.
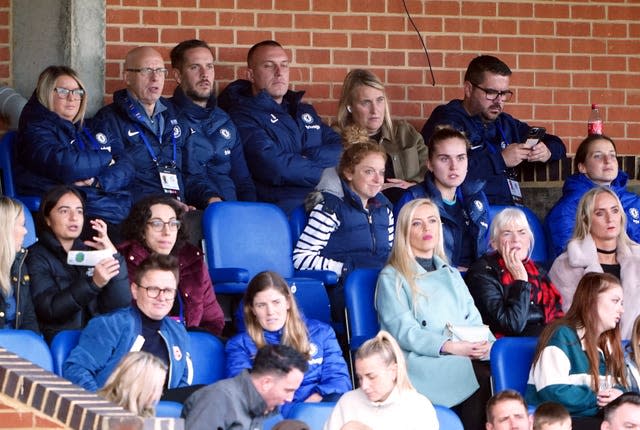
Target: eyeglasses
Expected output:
[63,93]
[148,71]
[154,292]
[158,224]
[491,94]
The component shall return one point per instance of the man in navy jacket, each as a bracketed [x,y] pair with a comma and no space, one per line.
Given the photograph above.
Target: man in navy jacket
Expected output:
[286,144]
[497,147]
[148,126]
[214,167]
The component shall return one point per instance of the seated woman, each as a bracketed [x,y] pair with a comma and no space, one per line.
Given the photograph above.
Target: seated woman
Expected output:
[67,296]
[418,295]
[463,207]
[272,317]
[353,231]
[513,294]
[597,164]
[137,383]
[155,225]
[632,358]
[385,399]
[579,361]
[16,307]
[363,103]
[600,244]
[57,146]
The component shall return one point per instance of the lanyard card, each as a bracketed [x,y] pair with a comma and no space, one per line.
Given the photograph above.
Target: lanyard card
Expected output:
[169,179]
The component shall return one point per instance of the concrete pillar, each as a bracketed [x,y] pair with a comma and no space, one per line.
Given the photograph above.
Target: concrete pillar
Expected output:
[69,32]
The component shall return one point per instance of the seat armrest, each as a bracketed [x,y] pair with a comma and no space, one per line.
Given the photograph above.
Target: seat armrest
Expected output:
[328,277]
[229,274]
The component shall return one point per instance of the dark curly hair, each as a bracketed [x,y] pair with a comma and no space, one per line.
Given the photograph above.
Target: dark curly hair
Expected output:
[134,226]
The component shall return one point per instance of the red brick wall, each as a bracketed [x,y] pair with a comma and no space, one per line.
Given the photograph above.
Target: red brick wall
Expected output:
[564,54]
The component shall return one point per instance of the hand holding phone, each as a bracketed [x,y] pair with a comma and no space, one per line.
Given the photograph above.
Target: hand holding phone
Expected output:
[535,134]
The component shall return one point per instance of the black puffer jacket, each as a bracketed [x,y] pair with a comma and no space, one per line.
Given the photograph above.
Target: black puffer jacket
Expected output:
[25,315]
[65,296]
[508,310]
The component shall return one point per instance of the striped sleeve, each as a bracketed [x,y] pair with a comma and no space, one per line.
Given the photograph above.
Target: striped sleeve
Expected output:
[391,227]
[316,235]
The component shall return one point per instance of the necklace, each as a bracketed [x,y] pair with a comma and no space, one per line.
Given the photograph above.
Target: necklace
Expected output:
[604,251]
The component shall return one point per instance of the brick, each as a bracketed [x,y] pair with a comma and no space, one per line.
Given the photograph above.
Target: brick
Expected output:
[393,92]
[235,54]
[472,8]
[118,52]
[179,3]
[430,24]
[573,62]
[311,21]
[405,76]
[140,35]
[386,23]
[113,34]
[199,18]
[573,29]
[282,5]
[330,6]
[553,45]
[329,39]
[352,56]
[402,110]
[317,91]
[499,26]
[252,37]
[538,28]
[571,96]
[515,9]
[424,93]
[297,38]
[176,35]
[623,47]
[415,7]
[159,17]
[588,80]
[448,43]
[217,4]
[388,58]
[439,8]
[378,41]
[480,44]
[552,79]
[634,30]
[609,30]
[461,25]
[312,56]
[149,3]
[625,81]
[610,63]
[236,19]
[329,74]
[448,77]
[254,4]
[623,13]
[534,95]
[588,46]
[226,73]
[624,113]
[553,11]
[276,20]
[591,12]
[123,16]
[215,37]
[349,23]
[419,59]
[534,61]
[368,6]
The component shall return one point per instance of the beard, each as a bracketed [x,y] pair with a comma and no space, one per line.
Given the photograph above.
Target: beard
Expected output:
[198,96]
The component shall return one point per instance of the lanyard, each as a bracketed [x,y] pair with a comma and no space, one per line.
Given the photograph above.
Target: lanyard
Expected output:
[93,141]
[504,137]
[154,157]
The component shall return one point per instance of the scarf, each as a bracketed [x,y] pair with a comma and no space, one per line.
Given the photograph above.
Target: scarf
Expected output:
[543,292]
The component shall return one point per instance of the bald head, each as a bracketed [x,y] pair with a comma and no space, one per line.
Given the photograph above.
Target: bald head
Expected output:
[144,76]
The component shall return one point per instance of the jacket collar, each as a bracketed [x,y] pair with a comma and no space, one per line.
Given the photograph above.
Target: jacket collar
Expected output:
[187,105]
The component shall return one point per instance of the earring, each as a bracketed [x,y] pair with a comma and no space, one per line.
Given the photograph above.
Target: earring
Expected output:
[349,109]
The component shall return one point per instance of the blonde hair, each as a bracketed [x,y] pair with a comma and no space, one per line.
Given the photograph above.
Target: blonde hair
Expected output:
[47,83]
[136,384]
[10,210]
[355,79]
[294,332]
[387,348]
[402,257]
[584,215]
[508,216]
[635,342]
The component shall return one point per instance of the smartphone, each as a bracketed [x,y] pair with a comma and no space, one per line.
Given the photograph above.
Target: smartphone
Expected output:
[535,134]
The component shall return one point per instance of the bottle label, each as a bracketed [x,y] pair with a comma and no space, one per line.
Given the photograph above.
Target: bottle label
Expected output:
[595,127]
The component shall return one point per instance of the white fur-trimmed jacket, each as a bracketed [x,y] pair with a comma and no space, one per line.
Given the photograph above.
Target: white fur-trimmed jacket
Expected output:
[581,257]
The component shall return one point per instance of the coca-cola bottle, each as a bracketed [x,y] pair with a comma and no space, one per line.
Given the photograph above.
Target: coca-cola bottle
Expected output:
[595,121]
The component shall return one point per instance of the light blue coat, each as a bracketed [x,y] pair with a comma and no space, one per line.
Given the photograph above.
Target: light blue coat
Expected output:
[419,328]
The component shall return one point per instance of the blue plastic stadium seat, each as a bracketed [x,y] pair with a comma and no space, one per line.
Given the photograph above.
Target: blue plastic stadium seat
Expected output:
[314,414]
[448,419]
[511,359]
[168,409]
[61,347]
[27,345]
[30,238]
[6,166]
[207,355]
[297,222]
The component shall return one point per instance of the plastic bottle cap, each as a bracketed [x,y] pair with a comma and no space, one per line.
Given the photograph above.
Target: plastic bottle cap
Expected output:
[594,106]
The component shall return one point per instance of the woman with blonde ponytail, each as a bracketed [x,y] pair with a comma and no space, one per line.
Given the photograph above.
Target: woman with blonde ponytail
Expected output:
[386,399]
[16,307]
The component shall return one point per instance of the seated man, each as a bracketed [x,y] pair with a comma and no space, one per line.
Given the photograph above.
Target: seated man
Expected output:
[496,137]
[246,400]
[507,410]
[143,326]
[622,413]
[148,126]
[214,165]
[286,143]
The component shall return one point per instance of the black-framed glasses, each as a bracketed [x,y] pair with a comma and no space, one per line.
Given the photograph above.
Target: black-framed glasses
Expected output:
[154,292]
[491,94]
[158,224]
[63,93]
[148,71]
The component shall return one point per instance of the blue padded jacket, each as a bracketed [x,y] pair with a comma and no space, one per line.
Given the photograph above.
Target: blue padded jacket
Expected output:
[286,145]
[52,151]
[213,158]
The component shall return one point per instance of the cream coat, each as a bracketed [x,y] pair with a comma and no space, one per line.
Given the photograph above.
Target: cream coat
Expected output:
[581,257]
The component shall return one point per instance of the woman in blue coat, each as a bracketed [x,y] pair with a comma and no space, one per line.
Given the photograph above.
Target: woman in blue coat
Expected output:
[271,316]
[56,146]
[421,300]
